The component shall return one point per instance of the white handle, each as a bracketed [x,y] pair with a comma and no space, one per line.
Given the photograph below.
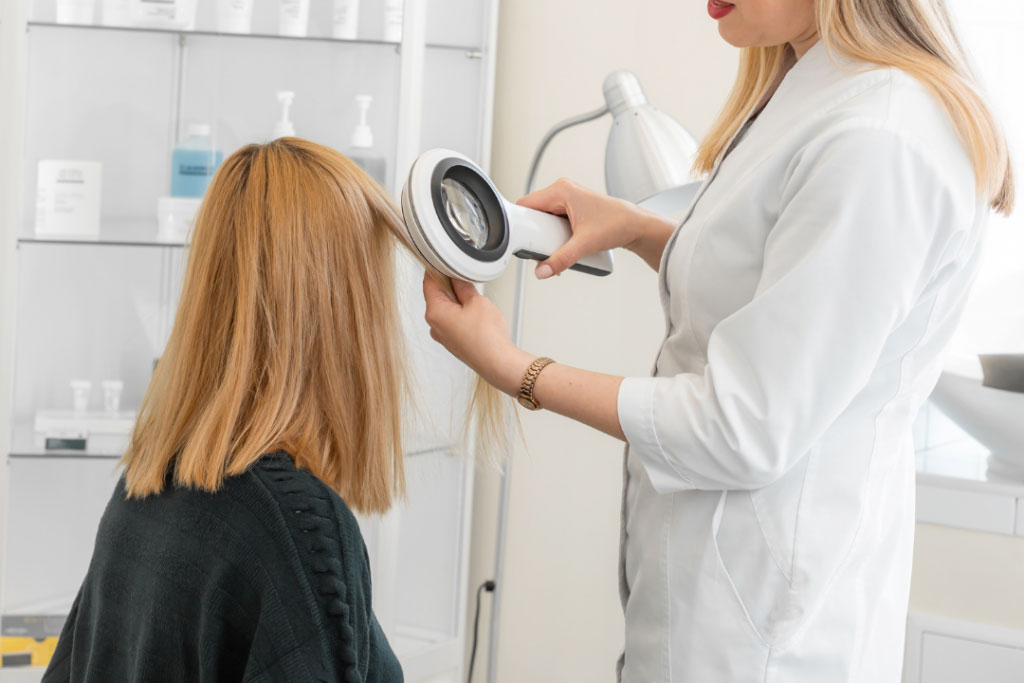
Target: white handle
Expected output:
[537,235]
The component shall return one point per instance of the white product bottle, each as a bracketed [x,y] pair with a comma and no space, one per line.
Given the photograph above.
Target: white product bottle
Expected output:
[80,391]
[293,17]
[393,20]
[346,19]
[68,195]
[76,11]
[284,128]
[112,389]
[194,162]
[363,153]
[117,13]
[234,16]
[165,14]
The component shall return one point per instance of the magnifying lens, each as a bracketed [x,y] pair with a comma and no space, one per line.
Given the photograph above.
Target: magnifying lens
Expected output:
[463,227]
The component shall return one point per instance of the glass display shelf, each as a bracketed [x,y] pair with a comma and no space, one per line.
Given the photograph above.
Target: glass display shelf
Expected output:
[970,464]
[27,443]
[470,50]
[112,234]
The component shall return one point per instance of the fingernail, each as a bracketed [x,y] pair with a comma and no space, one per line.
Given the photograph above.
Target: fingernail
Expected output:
[544,271]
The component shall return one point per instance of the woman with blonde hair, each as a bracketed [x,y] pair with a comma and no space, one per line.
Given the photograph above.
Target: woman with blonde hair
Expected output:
[228,551]
[768,503]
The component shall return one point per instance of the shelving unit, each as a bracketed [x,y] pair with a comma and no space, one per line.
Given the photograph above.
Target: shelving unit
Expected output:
[102,307]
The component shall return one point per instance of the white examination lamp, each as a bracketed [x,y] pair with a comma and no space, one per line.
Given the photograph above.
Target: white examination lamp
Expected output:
[647,161]
[647,153]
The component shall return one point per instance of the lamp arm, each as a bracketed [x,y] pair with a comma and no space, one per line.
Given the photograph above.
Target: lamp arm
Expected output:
[555,130]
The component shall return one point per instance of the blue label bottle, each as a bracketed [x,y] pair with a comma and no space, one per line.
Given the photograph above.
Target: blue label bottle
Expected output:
[194,162]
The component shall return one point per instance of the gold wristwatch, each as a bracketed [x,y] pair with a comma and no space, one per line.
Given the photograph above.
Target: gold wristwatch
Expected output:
[525,397]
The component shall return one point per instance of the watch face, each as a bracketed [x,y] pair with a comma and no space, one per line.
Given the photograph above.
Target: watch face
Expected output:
[527,403]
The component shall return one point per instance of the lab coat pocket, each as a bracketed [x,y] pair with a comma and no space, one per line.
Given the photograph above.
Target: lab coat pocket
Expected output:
[758,580]
[707,609]
[776,508]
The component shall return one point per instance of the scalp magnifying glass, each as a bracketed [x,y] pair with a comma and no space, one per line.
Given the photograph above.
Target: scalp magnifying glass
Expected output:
[463,227]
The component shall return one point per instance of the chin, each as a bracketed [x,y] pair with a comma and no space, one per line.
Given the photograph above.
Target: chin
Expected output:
[732,36]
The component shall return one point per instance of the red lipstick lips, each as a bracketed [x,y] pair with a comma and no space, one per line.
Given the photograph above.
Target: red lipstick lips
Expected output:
[718,9]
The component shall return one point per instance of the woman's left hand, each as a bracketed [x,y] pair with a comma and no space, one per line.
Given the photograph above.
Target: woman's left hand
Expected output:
[470,326]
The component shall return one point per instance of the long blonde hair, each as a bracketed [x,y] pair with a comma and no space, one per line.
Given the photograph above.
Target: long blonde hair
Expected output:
[915,36]
[287,335]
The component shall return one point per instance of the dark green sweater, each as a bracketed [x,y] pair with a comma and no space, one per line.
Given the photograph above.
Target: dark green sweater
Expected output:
[265,580]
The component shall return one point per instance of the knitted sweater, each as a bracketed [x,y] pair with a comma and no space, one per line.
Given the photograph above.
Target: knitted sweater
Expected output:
[265,580]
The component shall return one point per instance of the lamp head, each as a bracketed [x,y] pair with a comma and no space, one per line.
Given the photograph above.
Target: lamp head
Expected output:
[648,151]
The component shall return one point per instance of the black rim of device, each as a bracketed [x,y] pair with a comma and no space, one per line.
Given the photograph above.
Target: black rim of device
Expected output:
[485,192]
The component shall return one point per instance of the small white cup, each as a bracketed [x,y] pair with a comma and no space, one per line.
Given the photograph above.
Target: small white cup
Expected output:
[76,11]
[80,391]
[112,389]
[234,16]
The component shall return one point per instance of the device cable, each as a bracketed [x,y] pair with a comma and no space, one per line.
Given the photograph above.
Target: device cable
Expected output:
[489,587]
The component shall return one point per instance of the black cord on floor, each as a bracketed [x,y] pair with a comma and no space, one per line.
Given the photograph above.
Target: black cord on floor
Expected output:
[485,586]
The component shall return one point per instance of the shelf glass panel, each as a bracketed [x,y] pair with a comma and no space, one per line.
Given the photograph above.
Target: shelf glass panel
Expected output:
[457,22]
[453,101]
[467,46]
[112,234]
[86,101]
[127,114]
[430,543]
[53,514]
[215,34]
[88,314]
[29,444]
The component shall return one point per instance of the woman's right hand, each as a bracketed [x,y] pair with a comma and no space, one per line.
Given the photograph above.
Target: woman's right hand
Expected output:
[599,222]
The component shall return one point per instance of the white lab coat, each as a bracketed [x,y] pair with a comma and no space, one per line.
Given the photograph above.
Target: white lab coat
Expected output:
[768,511]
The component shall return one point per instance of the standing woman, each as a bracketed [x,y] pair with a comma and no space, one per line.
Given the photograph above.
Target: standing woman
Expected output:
[768,510]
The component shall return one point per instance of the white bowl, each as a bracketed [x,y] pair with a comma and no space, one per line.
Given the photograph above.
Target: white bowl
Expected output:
[993,417]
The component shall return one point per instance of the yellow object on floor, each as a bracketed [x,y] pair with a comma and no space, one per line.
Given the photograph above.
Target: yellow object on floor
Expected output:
[16,651]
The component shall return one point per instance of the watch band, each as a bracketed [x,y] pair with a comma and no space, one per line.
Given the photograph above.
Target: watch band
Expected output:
[525,397]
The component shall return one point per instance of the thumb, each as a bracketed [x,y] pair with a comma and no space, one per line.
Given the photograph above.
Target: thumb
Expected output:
[551,199]
[464,291]
[565,256]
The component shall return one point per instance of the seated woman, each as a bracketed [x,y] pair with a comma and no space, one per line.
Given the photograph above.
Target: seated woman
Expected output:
[228,551]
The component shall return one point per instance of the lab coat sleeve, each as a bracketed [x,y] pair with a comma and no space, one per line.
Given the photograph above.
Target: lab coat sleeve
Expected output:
[865,220]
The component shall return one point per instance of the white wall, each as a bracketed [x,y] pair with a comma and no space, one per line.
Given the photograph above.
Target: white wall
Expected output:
[969,576]
[561,619]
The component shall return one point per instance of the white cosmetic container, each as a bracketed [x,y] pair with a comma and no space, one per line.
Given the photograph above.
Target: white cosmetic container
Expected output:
[393,20]
[175,216]
[80,390]
[167,14]
[234,16]
[284,128]
[116,13]
[112,389]
[363,152]
[293,17]
[346,19]
[76,11]
[68,198]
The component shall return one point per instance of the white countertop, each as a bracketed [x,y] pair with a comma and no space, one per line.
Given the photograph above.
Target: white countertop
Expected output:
[956,488]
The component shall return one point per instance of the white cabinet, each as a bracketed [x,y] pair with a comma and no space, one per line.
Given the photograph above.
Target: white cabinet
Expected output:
[943,650]
[955,660]
[102,308]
